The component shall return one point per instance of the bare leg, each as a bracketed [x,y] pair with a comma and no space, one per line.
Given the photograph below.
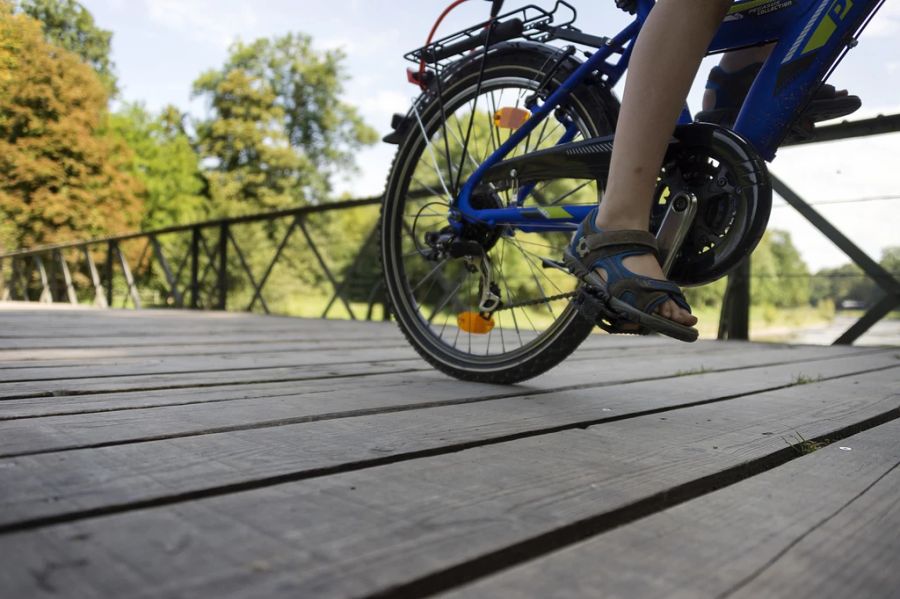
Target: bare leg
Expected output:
[666,57]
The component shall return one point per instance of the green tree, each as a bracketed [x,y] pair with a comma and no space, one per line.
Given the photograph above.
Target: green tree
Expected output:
[276,130]
[780,276]
[61,175]
[890,260]
[70,25]
[849,282]
[164,161]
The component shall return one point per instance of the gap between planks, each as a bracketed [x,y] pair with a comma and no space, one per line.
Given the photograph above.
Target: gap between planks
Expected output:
[823,525]
[350,533]
[109,475]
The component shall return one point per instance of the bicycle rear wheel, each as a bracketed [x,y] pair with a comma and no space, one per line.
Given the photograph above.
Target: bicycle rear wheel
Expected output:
[536,326]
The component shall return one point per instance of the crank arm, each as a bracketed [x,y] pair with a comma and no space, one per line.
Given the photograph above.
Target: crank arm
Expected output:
[674,228]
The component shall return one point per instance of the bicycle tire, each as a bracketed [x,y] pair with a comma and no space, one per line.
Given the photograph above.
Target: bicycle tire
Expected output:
[595,108]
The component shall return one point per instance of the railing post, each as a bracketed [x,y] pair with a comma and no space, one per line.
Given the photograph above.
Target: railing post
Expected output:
[129,279]
[46,293]
[171,279]
[875,271]
[195,267]
[99,295]
[67,277]
[734,322]
[7,281]
[108,272]
[222,283]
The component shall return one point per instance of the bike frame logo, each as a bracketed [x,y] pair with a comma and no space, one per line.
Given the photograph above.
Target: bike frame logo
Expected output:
[836,13]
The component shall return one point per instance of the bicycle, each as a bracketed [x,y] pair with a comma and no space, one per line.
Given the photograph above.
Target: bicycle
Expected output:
[507,149]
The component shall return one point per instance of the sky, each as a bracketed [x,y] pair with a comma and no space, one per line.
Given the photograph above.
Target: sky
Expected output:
[161,46]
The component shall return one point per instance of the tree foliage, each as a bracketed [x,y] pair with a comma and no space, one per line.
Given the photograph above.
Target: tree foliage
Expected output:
[780,276]
[61,174]
[68,24]
[849,282]
[164,161]
[276,130]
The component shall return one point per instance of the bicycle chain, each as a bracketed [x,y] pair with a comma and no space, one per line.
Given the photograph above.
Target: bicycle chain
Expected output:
[546,300]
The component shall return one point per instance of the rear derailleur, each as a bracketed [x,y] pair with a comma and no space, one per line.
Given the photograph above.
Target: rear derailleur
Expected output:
[447,244]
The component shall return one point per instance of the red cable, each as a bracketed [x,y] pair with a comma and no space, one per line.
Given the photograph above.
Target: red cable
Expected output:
[431,36]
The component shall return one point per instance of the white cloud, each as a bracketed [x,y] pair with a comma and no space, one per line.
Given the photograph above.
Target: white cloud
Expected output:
[209,21]
[849,169]
[886,22]
[378,107]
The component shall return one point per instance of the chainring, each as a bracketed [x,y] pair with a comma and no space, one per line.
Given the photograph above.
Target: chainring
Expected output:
[734,198]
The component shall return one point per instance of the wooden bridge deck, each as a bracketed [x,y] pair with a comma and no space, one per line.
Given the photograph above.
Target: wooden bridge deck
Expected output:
[177,454]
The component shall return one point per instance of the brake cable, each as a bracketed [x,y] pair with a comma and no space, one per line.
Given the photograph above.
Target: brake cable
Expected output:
[434,29]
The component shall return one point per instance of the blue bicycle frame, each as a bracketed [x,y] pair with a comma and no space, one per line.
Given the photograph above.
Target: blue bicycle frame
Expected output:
[812,37]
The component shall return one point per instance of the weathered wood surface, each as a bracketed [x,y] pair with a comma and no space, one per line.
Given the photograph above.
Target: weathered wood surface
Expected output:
[825,525]
[329,461]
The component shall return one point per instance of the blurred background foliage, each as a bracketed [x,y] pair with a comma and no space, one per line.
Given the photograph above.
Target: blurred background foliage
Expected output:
[76,163]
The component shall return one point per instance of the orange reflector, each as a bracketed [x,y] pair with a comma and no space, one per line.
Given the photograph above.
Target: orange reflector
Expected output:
[473,322]
[511,118]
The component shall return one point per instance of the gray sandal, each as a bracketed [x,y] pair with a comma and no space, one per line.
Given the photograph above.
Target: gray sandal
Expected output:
[625,298]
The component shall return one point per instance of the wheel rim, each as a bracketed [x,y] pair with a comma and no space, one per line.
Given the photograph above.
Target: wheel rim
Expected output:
[435,292]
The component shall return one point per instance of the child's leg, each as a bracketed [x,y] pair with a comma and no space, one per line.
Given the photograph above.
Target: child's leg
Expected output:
[666,57]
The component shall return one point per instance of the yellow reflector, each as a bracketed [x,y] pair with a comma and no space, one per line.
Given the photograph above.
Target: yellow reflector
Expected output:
[511,118]
[473,322]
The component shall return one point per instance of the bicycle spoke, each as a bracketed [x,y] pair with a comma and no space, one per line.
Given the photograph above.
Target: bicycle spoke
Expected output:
[441,293]
[570,193]
[531,266]
[447,298]
[431,273]
[509,298]
[430,147]
[431,190]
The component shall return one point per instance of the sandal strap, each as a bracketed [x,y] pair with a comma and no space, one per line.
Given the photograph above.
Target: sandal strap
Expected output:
[647,294]
[594,247]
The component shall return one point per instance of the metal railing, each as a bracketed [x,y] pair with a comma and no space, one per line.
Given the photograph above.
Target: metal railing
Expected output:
[212,264]
[43,274]
[734,322]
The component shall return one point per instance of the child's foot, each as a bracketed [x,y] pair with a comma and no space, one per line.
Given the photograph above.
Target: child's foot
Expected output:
[648,266]
[626,260]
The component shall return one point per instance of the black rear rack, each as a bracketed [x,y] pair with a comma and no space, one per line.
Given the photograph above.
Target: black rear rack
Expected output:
[530,22]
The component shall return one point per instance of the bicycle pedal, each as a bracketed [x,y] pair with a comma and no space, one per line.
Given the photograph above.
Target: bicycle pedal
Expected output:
[593,305]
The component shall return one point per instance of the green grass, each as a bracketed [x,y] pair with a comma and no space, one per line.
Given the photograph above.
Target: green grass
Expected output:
[802,379]
[767,323]
[803,446]
[693,371]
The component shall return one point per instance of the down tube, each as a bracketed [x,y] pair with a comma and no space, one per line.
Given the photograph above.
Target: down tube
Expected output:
[794,69]
[514,215]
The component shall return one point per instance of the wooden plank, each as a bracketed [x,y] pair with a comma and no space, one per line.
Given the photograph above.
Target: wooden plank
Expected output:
[824,525]
[18,360]
[14,358]
[128,339]
[353,533]
[194,461]
[195,361]
[415,371]
[60,328]
[328,364]
[570,373]
[426,388]
[121,368]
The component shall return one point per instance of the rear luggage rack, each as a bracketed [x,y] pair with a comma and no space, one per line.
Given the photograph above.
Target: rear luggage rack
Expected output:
[530,22]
